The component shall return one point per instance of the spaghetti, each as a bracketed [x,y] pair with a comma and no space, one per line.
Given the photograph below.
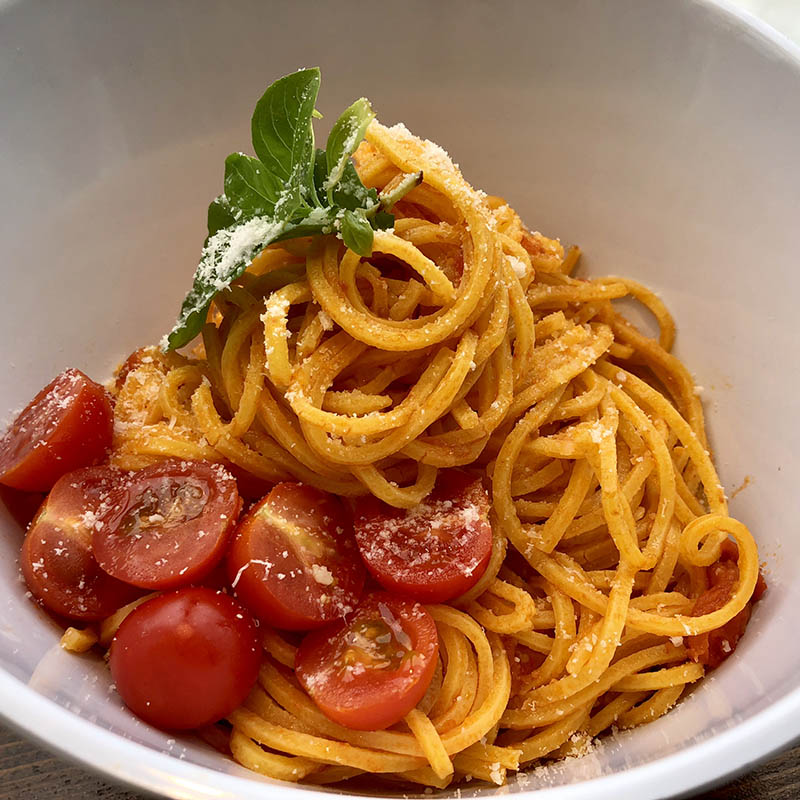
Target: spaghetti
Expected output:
[465,341]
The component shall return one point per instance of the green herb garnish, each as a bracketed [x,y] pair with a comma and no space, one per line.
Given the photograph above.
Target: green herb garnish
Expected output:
[290,189]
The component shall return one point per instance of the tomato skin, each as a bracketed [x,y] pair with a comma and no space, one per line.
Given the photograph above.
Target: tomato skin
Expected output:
[68,425]
[293,561]
[171,524]
[56,559]
[22,506]
[435,551]
[374,686]
[185,659]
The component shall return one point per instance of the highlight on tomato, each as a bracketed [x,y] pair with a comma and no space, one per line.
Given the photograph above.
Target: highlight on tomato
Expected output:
[186,658]
[435,551]
[368,671]
[68,425]
[294,562]
[170,525]
[56,559]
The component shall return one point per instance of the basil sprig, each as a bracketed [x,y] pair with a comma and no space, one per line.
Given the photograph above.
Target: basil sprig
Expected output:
[289,189]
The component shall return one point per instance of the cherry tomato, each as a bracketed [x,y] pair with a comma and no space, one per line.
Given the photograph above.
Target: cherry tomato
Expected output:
[186,658]
[21,505]
[171,524]
[368,671]
[434,551]
[293,561]
[713,647]
[138,358]
[56,559]
[68,425]
[251,487]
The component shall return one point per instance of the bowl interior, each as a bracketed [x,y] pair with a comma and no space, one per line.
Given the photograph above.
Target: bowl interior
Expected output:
[662,137]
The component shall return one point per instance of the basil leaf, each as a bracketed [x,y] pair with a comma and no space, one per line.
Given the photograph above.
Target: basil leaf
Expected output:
[249,187]
[283,136]
[351,194]
[224,258]
[382,221]
[357,232]
[345,136]
[220,215]
[190,323]
[318,220]
[290,190]
[320,174]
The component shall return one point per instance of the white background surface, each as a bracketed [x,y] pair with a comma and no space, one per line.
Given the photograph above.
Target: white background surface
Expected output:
[783,15]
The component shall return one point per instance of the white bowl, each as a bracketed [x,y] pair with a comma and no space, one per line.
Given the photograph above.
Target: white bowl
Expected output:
[664,137]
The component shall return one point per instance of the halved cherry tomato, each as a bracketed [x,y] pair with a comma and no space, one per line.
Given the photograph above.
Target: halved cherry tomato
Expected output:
[713,647]
[171,524]
[368,671]
[186,658]
[251,487]
[21,505]
[68,425]
[293,561]
[434,551]
[56,559]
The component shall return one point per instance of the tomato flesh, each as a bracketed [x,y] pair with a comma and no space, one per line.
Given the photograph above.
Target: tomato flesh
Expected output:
[56,559]
[68,425]
[251,487]
[185,659]
[713,647]
[171,524]
[368,671]
[435,551]
[293,561]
